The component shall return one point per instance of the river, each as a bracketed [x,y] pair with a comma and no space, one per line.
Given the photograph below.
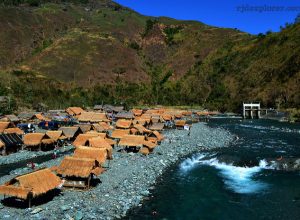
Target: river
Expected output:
[238,182]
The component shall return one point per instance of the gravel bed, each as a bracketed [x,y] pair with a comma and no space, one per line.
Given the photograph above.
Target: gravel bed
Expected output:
[24,155]
[127,181]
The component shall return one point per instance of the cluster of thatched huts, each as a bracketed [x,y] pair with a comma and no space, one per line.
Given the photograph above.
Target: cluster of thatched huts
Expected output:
[94,134]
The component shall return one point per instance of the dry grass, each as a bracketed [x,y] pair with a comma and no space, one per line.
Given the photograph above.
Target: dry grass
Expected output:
[132,141]
[78,167]
[98,154]
[124,124]
[33,139]
[38,182]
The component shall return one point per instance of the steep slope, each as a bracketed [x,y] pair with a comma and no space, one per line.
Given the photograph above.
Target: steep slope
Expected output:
[89,51]
[102,41]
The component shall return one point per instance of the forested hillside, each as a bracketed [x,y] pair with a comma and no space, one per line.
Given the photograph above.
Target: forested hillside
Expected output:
[82,52]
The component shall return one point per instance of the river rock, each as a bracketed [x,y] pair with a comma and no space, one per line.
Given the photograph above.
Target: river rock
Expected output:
[35,211]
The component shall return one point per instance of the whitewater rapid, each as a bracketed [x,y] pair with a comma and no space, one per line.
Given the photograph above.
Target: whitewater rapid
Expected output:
[238,179]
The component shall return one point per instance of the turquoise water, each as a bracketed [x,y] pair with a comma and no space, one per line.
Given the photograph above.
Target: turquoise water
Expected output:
[238,182]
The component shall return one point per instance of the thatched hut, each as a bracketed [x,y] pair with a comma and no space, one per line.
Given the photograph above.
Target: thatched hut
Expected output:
[13,131]
[132,141]
[137,112]
[38,141]
[99,142]
[102,127]
[157,127]
[82,139]
[31,185]
[123,124]
[56,135]
[155,137]
[119,133]
[78,172]
[71,132]
[74,111]
[141,129]
[167,117]
[125,115]
[84,127]
[10,143]
[12,118]
[92,117]
[4,125]
[98,154]
[180,124]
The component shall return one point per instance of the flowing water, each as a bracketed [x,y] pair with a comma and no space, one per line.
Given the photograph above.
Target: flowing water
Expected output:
[238,182]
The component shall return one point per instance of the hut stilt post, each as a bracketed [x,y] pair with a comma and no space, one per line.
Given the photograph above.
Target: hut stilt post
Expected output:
[89,181]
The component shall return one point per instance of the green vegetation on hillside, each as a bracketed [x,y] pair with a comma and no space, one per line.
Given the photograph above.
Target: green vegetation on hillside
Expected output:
[78,52]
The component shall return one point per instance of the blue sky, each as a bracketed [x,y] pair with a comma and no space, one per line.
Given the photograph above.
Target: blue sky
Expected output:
[253,16]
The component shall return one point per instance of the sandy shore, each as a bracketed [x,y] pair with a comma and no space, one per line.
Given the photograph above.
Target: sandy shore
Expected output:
[126,183]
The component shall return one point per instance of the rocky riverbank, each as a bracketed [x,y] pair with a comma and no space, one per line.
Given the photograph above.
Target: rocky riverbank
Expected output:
[24,155]
[127,181]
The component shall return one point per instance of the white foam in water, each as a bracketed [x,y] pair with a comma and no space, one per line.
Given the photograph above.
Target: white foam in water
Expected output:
[239,179]
[190,163]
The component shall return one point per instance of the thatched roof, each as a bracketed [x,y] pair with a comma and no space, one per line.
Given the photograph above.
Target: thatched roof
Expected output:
[12,118]
[145,117]
[119,133]
[1,144]
[137,112]
[84,127]
[155,118]
[132,141]
[106,126]
[3,126]
[55,135]
[153,111]
[38,182]
[33,139]
[102,126]
[187,113]
[74,110]
[202,113]
[85,116]
[26,115]
[11,140]
[178,115]
[140,121]
[92,117]
[149,144]
[13,131]
[125,124]
[99,142]
[41,117]
[82,139]
[133,131]
[98,117]
[157,127]
[70,132]
[125,115]
[158,135]
[78,167]
[98,154]
[167,117]
[141,129]
[180,123]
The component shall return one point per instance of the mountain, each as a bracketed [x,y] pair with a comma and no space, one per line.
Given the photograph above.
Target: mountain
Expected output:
[81,52]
